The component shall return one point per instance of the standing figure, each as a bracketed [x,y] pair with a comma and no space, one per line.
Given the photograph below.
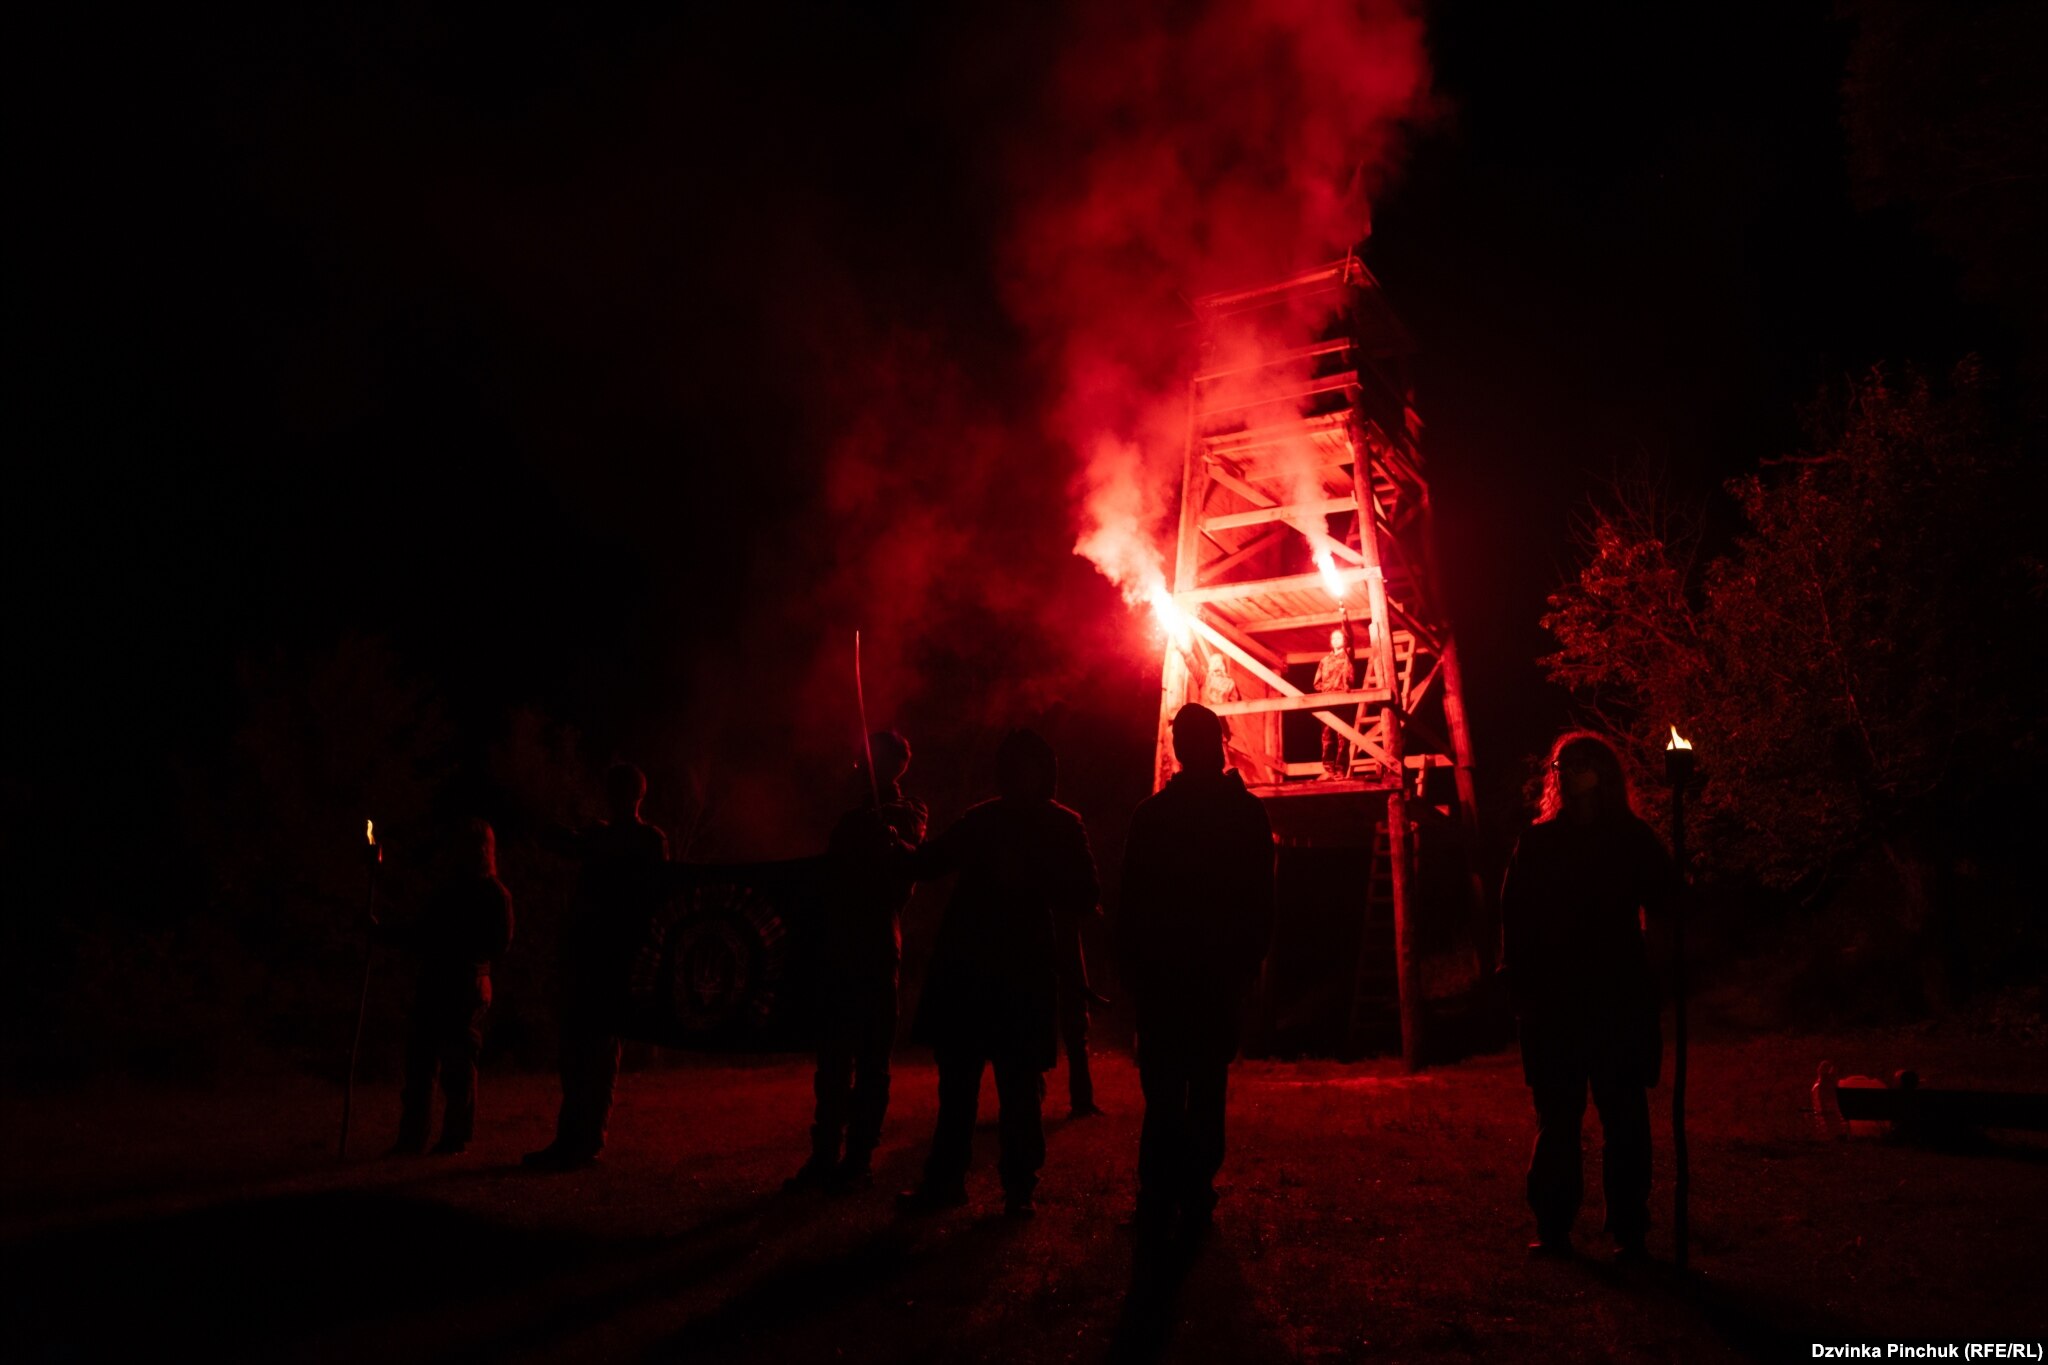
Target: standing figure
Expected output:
[467,925]
[860,949]
[1195,917]
[1335,674]
[990,996]
[1573,957]
[1219,687]
[621,887]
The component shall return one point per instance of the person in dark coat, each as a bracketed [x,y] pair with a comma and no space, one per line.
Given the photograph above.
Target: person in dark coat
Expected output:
[860,951]
[1573,957]
[1194,920]
[622,885]
[990,995]
[467,925]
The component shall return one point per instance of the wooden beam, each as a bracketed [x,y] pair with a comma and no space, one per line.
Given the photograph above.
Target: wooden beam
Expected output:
[1260,587]
[1277,512]
[1248,644]
[1217,568]
[1308,701]
[1286,688]
[1407,952]
[1336,383]
[1297,354]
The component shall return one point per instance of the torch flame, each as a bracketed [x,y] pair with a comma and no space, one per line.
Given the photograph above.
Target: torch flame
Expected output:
[1678,741]
[1333,582]
[369,831]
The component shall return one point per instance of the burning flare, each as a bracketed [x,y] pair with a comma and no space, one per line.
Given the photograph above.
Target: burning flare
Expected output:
[1333,582]
[1678,741]
[369,831]
[1172,620]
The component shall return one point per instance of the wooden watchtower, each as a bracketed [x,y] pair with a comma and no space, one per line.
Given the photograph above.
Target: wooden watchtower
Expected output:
[1303,502]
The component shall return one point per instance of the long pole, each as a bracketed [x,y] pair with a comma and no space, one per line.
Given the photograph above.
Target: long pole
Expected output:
[867,747]
[1678,768]
[1407,961]
[371,859]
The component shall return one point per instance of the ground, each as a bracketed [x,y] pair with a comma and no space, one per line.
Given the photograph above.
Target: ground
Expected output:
[1368,1215]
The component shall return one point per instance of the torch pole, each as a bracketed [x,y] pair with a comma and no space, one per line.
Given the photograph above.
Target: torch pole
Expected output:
[867,748]
[371,859]
[1678,764]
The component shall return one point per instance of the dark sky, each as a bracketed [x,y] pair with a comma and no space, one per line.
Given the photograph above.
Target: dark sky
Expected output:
[519,340]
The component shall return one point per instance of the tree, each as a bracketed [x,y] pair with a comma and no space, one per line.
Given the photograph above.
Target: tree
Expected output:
[1861,661]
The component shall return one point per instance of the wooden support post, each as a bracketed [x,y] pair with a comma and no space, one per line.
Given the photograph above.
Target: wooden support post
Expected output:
[1408,967]
[1477,888]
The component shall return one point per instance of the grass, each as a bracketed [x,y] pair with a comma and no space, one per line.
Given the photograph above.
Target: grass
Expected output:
[1368,1214]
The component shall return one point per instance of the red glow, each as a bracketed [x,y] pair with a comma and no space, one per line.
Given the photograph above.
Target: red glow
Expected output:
[1333,582]
[1184,151]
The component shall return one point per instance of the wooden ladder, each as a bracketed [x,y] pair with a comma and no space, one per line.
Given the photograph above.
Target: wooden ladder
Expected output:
[1376,985]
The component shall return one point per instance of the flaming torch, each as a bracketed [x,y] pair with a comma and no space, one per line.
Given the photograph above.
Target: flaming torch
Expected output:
[1333,582]
[1173,622]
[1679,768]
[373,855]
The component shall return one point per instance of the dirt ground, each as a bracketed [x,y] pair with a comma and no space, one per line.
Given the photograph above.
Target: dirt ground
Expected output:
[1368,1215]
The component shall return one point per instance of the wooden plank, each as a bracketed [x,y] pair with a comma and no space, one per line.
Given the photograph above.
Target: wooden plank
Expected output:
[1308,701]
[1335,275]
[1280,684]
[1215,569]
[1335,383]
[1261,587]
[1293,355]
[1249,645]
[1277,512]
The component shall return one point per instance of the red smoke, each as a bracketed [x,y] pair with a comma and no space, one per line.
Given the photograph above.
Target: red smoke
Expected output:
[1181,150]
[1160,151]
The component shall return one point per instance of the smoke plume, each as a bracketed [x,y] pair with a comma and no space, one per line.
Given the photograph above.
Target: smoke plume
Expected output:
[1181,150]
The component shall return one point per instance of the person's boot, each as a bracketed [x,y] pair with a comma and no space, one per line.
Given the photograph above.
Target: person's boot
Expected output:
[1017,1204]
[1552,1243]
[450,1146]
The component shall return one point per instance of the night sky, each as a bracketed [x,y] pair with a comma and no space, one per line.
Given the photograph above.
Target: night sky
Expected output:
[523,342]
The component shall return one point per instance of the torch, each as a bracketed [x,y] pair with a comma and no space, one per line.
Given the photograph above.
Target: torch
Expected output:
[373,854]
[1678,773]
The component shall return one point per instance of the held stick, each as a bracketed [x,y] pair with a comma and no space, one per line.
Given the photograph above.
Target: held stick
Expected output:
[867,747]
[372,856]
[1678,771]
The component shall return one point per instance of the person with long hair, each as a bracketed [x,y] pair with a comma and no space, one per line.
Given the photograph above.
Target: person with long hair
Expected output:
[1573,955]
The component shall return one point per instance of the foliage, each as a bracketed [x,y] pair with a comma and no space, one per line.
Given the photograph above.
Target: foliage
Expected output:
[1843,667]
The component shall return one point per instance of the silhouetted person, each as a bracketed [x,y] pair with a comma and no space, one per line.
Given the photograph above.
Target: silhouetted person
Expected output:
[467,925]
[1195,917]
[1075,996]
[620,888]
[1573,957]
[860,950]
[1336,674]
[990,996]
